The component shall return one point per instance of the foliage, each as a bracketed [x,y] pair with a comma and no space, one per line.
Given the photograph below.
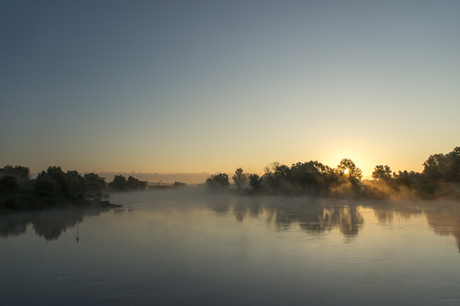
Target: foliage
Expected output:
[45,183]
[94,183]
[8,184]
[53,180]
[440,178]
[179,184]
[118,183]
[382,173]
[135,184]
[445,168]
[19,172]
[71,184]
[50,188]
[76,182]
[347,169]
[218,182]
[239,178]
[314,178]
[255,182]
[311,178]
[272,176]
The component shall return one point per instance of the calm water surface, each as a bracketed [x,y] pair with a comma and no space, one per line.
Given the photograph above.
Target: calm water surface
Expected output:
[187,249]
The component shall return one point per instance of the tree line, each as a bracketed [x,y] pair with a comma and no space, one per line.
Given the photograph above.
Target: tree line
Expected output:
[440,178]
[53,186]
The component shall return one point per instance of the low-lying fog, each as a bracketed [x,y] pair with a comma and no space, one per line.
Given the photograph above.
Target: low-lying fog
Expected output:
[192,248]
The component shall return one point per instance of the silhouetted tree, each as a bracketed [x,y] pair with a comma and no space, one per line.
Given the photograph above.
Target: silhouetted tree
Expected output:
[55,174]
[445,168]
[76,182]
[179,184]
[135,184]
[407,179]
[255,182]
[8,184]
[19,172]
[94,183]
[308,176]
[239,178]
[271,175]
[118,183]
[382,173]
[453,162]
[348,170]
[50,188]
[331,178]
[435,167]
[45,184]
[218,182]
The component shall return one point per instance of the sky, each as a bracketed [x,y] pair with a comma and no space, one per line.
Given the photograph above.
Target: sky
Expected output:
[210,86]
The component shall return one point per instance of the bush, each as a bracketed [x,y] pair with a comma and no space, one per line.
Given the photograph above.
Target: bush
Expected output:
[218,182]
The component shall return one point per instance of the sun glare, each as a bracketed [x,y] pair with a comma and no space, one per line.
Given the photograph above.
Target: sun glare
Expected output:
[345,171]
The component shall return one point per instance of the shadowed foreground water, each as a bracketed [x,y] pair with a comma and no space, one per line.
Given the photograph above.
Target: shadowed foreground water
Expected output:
[187,249]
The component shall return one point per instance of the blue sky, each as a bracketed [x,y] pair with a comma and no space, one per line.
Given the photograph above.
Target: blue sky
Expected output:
[193,86]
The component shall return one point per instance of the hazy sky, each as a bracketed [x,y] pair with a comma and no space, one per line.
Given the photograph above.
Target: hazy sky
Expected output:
[193,86]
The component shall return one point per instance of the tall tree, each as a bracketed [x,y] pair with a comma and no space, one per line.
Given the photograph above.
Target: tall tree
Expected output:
[239,178]
[348,169]
[440,167]
[308,176]
[19,172]
[118,183]
[218,182]
[135,184]
[255,182]
[382,173]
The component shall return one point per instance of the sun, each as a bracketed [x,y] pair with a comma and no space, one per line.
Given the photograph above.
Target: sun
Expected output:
[345,171]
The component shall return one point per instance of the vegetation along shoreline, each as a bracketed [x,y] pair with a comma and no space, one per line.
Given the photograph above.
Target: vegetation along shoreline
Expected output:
[55,188]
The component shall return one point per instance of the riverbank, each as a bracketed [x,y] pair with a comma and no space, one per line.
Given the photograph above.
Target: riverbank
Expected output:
[17,202]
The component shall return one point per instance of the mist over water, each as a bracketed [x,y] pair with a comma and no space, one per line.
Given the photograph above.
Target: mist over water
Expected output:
[188,247]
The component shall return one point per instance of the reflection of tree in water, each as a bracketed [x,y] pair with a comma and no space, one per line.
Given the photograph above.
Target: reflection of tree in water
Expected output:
[118,211]
[219,206]
[241,208]
[445,220]
[384,215]
[283,215]
[349,219]
[14,224]
[442,217]
[49,224]
[315,218]
[255,209]
[387,215]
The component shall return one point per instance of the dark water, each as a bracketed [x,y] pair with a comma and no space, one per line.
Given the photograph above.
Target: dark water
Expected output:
[184,249]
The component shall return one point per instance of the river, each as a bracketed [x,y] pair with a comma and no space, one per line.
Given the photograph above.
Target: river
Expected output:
[187,248]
